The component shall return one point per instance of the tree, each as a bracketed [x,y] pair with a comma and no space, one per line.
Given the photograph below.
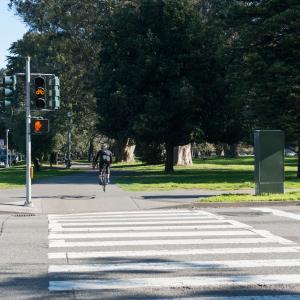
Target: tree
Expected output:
[266,69]
[147,57]
[63,44]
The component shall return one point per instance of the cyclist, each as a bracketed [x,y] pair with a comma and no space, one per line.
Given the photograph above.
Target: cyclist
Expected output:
[105,160]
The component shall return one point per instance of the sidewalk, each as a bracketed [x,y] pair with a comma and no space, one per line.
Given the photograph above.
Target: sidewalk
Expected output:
[81,193]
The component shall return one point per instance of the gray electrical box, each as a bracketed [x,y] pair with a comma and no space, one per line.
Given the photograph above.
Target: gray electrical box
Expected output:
[269,161]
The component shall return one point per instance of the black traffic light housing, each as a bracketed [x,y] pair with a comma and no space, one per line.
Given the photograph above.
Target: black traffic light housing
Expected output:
[8,91]
[39,92]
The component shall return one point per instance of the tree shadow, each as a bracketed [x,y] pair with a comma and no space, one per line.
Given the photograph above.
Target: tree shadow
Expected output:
[166,292]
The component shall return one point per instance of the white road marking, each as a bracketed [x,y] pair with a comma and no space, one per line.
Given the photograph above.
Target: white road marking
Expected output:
[101,235]
[192,281]
[164,266]
[145,228]
[177,214]
[136,212]
[278,212]
[145,253]
[279,239]
[179,221]
[62,226]
[64,244]
[135,218]
[255,297]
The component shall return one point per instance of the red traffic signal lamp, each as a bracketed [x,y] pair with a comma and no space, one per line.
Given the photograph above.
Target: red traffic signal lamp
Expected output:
[39,93]
[40,126]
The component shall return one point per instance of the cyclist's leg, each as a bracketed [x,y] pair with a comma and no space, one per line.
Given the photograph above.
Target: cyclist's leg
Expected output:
[101,168]
[108,172]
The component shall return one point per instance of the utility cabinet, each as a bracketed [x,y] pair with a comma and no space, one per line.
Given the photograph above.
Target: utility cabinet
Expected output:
[269,161]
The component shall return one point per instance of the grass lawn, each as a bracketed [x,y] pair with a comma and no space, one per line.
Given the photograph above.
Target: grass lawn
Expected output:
[14,177]
[291,196]
[213,173]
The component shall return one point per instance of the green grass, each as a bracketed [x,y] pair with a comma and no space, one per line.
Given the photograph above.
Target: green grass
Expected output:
[213,173]
[14,177]
[292,196]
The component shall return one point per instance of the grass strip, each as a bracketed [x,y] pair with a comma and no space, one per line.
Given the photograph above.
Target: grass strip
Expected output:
[14,177]
[232,198]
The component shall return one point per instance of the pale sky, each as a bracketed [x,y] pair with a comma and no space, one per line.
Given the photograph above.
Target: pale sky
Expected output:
[11,29]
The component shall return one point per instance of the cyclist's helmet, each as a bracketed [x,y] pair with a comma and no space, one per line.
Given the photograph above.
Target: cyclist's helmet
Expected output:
[104,147]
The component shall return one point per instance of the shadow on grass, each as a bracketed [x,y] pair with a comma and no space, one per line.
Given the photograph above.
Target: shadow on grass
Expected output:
[191,176]
[225,161]
[129,166]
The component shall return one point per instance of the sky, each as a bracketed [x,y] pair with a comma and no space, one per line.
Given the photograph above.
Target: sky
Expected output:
[11,29]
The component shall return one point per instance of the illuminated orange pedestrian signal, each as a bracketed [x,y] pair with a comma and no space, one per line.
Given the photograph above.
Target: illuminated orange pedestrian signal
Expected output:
[40,126]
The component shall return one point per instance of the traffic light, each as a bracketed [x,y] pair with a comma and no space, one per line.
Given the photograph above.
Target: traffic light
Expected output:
[39,126]
[8,90]
[39,93]
[54,93]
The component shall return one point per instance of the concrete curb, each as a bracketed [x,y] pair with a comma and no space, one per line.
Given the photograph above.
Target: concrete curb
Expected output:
[196,205]
[247,204]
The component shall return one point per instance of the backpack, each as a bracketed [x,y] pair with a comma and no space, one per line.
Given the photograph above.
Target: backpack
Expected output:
[105,158]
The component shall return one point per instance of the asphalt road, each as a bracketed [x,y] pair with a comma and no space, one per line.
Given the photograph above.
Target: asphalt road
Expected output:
[216,253]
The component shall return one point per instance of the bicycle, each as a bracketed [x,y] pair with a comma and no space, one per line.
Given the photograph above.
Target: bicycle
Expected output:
[103,178]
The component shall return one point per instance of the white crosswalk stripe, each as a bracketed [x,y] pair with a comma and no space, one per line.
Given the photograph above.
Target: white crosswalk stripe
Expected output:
[173,244]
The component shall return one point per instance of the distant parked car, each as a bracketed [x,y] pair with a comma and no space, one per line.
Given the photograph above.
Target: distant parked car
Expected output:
[289,153]
[243,154]
[2,161]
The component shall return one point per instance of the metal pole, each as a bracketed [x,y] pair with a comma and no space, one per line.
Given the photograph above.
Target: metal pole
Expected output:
[7,165]
[28,135]
[69,139]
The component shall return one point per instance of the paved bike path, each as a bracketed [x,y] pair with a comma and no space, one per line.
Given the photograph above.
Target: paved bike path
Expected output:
[77,193]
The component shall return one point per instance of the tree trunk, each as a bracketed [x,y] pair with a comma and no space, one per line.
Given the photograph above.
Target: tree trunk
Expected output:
[169,163]
[298,164]
[53,158]
[230,151]
[183,155]
[124,151]
[91,149]
[219,149]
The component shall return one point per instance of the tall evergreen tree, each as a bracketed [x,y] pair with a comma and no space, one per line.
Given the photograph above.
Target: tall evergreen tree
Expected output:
[265,38]
[148,60]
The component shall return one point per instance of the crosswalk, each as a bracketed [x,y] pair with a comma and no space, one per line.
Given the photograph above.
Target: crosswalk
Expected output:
[165,249]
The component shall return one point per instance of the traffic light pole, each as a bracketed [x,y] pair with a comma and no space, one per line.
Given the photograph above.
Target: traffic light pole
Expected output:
[27,74]
[28,135]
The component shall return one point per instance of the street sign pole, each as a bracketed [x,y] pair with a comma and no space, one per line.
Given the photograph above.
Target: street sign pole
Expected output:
[28,135]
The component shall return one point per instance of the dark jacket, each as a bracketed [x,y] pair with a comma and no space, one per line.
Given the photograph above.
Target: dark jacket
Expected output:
[104,156]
